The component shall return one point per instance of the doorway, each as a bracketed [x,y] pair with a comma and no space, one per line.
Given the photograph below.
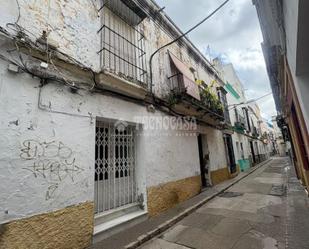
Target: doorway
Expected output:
[114,175]
[230,153]
[252,153]
[204,160]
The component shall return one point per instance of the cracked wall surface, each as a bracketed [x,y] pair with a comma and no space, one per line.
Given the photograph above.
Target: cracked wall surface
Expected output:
[73,25]
[65,131]
[62,133]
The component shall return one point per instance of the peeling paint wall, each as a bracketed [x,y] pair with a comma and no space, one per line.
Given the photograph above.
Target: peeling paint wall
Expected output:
[155,38]
[162,156]
[64,133]
[26,188]
[216,147]
[73,25]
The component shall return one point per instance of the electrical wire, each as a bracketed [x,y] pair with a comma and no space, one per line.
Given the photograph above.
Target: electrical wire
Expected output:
[18,17]
[43,107]
[250,101]
[179,37]
[3,57]
[263,96]
[22,38]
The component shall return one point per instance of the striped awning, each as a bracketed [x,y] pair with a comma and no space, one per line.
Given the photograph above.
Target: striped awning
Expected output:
[188,78]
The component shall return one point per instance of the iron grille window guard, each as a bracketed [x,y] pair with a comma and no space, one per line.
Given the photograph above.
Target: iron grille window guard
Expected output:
[122,48]
[114,167]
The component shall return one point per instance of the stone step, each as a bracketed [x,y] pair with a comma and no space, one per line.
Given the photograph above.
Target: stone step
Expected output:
[117,220]
[115,213]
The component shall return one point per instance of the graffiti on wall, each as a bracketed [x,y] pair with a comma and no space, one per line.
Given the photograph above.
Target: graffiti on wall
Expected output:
[52,161]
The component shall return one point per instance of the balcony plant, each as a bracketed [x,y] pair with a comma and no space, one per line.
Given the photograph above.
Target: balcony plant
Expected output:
[239,127]
[211,101]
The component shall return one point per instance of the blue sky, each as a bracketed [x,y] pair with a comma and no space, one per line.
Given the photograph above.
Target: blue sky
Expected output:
[234,34]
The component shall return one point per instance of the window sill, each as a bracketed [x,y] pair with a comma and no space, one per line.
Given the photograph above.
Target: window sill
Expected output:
[115,83]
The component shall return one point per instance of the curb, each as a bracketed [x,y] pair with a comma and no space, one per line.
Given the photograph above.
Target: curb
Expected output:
[166,225]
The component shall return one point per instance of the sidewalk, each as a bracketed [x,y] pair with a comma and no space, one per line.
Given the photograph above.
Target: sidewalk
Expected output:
[158,224]
[269,209]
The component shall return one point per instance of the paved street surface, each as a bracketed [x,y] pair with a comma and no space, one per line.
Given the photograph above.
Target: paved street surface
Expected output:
[269,209]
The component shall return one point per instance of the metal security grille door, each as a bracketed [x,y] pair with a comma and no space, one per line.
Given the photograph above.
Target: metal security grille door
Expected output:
[114,167]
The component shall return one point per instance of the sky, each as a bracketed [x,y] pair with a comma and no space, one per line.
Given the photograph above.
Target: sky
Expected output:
[234,34]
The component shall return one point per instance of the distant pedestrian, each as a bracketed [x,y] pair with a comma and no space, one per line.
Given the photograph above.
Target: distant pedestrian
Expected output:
[206,167]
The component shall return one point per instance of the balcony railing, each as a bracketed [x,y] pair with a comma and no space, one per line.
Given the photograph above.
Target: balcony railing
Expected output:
[201,97]
[239,127]
[122,48]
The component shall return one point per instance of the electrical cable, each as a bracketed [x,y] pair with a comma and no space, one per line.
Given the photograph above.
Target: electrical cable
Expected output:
[18,17]
[43,107]
[27,42]
[179,37]
[250,101]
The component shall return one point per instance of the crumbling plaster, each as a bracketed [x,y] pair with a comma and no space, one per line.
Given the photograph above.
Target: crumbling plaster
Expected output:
[69,119]
[162,156]
[73,25]
[156,37]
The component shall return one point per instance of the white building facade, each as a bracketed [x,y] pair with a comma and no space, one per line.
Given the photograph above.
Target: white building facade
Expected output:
[89,139]
[285,48]
[250,147]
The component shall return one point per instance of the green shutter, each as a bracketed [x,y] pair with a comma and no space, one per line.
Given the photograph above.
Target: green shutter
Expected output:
[231,90]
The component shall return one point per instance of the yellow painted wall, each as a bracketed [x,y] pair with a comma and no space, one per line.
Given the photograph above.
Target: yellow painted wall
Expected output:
[165,196]
[68,228]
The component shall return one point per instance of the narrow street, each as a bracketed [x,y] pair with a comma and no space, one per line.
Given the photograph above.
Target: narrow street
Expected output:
[268,209]
[154,124]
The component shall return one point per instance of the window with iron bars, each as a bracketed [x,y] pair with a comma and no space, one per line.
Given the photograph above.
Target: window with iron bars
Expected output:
[122,41]
[114,166]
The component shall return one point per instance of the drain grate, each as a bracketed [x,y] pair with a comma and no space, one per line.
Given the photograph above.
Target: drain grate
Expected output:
[230,194]
[278,190]
[274,170]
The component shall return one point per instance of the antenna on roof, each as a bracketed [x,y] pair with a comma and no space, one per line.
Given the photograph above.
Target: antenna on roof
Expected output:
[160,10]
[208,53]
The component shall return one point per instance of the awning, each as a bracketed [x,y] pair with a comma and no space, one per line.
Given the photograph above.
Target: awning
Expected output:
[188,78]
